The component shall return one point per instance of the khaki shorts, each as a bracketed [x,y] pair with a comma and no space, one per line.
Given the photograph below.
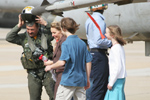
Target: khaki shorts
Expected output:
[67,92]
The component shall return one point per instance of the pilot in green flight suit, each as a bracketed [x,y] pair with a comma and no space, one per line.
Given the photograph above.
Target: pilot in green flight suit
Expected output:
[35,41]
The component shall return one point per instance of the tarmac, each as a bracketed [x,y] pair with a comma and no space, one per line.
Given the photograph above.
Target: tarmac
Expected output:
[13,78]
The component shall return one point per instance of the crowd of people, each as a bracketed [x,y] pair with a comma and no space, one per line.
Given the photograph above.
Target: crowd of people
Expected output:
[69,70]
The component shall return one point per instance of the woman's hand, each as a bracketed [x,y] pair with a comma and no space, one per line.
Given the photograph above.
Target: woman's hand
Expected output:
[48,68]
[49,62]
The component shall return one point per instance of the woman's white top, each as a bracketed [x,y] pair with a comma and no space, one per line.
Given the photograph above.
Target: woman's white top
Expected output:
[117,67]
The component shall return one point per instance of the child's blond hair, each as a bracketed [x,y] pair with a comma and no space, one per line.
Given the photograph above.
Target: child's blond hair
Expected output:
[117,35]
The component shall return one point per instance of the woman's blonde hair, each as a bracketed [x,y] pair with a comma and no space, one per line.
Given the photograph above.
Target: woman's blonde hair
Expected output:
[69,24]
[56,25]
[116,32]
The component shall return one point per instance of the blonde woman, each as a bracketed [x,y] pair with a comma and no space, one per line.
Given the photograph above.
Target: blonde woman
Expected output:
[60,38]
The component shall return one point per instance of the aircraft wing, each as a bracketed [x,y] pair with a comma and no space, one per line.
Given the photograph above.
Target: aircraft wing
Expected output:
[58,6]
[76,4]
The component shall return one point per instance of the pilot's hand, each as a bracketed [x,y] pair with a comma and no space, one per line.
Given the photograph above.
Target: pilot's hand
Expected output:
[40,20]
[48,68]
[20,22]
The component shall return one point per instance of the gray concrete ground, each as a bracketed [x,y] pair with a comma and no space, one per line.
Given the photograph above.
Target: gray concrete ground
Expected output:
[13,78]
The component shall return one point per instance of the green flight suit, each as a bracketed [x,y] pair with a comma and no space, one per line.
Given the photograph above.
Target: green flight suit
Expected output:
[37,77]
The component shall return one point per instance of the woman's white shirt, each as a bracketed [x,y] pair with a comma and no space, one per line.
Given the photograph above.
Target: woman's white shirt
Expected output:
[117,66]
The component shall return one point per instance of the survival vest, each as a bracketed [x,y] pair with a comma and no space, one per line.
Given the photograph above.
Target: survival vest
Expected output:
[33,49]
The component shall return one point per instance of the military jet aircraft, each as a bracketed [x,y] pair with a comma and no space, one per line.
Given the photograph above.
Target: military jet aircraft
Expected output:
[131,15]
[9,9]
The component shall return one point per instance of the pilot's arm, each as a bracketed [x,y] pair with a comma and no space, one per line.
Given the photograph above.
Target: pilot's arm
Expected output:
[41,21]
[20,22]
[46,28]
[13,35]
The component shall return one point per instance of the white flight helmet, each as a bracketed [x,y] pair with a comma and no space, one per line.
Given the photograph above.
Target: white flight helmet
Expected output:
[27,15]
[27,10]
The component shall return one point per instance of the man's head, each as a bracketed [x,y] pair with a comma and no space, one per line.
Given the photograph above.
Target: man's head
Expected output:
[99,8]
[100,11]
[32,29]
